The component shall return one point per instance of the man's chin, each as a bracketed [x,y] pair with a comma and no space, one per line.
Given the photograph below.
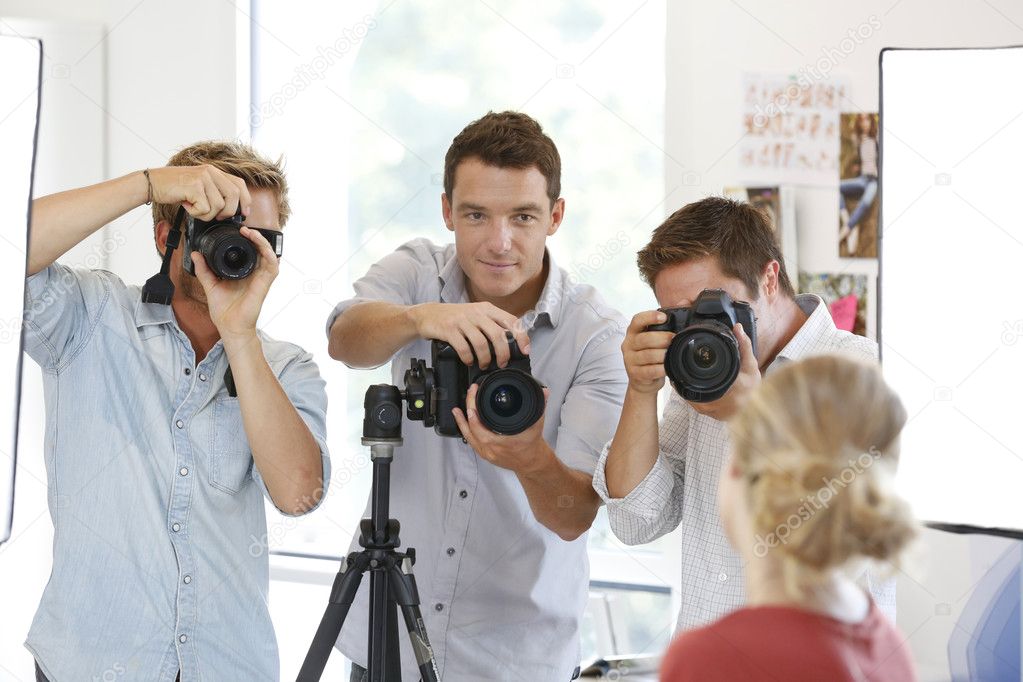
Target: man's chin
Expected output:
[494,292]
[193,293]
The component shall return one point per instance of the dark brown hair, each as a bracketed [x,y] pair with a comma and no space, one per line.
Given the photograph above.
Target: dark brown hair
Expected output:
[507,140]
[737,234]
[234,158]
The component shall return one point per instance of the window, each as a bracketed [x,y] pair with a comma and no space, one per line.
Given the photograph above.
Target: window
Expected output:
[364,98]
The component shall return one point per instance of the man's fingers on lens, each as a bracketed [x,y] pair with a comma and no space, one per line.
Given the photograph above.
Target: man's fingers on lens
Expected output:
[647,340]
[648,356]
[651,373]
[267,257]
[746,355]
[640,321]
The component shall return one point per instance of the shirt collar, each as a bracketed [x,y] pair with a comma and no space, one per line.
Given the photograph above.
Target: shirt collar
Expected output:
[819,325]
[152,313]
[548,305]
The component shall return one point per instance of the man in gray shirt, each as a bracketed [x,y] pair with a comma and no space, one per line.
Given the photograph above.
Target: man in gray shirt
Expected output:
[656,477]
[499,522]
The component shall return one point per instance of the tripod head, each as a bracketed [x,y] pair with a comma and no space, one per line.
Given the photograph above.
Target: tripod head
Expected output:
[381,422]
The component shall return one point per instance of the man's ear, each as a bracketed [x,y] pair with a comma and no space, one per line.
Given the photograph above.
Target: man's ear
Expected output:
[769,279]
[445,209]
[160,232]
[557,215]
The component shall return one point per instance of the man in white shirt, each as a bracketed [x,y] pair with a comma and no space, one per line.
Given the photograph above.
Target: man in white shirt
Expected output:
[498,522]
[654,477]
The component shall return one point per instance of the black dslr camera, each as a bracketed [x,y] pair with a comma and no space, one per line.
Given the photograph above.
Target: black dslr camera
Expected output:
[702,361]
[508,401]
[227,252]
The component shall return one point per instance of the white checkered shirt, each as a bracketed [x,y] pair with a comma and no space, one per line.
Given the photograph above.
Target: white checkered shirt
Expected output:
[682,487]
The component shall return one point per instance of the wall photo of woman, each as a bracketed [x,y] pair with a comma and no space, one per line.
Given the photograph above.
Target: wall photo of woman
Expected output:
[857,198]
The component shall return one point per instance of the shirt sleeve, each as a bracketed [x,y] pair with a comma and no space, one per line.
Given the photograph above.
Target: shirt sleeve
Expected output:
[593,402]
[62,310]
[393,279]
[306,390]
[654,507]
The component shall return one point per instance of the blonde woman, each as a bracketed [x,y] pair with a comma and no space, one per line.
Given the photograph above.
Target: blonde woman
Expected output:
[806,497]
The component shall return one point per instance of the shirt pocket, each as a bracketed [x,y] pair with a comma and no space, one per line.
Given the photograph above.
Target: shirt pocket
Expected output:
[230,455]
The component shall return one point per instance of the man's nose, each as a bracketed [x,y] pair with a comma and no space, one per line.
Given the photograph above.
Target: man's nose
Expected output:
[500,237]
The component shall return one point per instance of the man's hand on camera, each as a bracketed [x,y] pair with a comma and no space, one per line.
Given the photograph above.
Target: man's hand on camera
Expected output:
[235,304]
[748,379]
[644,351]
[468,327]
[205,192]
[517,453]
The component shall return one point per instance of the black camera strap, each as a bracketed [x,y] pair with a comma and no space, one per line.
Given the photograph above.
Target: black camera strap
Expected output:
[159,288]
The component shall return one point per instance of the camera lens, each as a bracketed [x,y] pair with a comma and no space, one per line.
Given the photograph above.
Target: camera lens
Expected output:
[509,400]
[235,258]
[228,253]
[506,401]
[703,361]
[704,356]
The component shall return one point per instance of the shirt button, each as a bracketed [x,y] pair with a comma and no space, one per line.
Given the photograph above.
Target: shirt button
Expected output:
[183,638]
[439,607]
[463,494]
[451,551]
[180,424]
[188,371]
[183,471]
[202,377]
[175,527]
[187,579]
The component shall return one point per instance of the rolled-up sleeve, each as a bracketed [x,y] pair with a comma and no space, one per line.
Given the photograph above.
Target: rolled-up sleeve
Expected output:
[654,507]
[395,278]
[593,402]
[62,308]
[306,390]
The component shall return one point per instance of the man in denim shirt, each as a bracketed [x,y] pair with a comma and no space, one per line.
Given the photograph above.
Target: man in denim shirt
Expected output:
[156,472]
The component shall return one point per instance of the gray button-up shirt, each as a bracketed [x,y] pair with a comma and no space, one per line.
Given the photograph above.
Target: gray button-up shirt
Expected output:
[502,595]
[159,553]
[682,487]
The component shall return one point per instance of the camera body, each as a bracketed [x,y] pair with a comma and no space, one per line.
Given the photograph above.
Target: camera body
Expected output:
[703,359]
[508,401]
[229,254]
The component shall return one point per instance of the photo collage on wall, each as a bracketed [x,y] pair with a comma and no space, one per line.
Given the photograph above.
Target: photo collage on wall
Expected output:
[798,133]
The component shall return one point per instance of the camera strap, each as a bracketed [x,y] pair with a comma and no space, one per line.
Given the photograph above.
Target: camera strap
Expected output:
[159,288]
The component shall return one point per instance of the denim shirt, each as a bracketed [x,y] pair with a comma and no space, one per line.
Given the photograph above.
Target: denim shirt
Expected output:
[159,560]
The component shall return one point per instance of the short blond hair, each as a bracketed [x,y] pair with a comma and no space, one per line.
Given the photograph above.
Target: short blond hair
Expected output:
[234,158]
[824,424]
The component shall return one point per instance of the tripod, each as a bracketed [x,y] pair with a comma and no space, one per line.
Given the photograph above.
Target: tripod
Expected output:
[391,583]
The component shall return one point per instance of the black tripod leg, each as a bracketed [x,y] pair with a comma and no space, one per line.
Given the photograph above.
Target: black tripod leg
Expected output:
[384,652]
[405,594]
[346,585]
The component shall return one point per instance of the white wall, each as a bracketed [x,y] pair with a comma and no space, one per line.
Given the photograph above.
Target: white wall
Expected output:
[710,45]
